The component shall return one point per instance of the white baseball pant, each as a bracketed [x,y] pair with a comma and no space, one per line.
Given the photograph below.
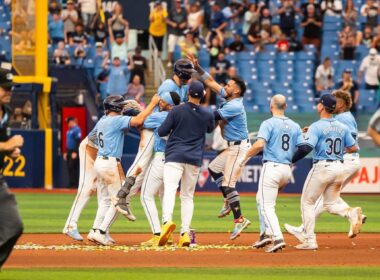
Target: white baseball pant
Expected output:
[175,172]
[153,183]
[227,163]
[142,160]
[325,178]
[110,176]
[273,177]
[86,187]
[351,166]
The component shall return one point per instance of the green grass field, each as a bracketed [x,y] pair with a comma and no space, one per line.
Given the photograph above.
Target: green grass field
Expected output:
[346,273]
[47,213]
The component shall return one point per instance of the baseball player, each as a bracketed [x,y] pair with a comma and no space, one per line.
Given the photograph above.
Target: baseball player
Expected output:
[186,126]
[329,138]
[351,161]
[153,180]
[278,137]
[223,168]
[108,170]
[183,69]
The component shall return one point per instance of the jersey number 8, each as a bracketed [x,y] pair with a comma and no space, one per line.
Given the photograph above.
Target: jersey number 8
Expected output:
[285,142]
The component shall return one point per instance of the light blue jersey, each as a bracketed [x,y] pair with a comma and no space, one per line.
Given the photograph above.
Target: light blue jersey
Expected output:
[233,113]
[169,85]
[110,134]
[281,135]
[154,121]
[348,120]
[92,136]
[329,137]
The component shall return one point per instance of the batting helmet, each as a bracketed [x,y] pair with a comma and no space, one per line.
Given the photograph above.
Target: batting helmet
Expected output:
[184,68]
[114,103]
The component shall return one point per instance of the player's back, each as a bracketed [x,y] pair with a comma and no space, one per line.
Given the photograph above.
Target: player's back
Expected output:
[282,135]
[154,121]
[348,120]
[169,85]
[110,134]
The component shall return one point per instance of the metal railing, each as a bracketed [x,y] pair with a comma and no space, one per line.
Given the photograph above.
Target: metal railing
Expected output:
[155,63]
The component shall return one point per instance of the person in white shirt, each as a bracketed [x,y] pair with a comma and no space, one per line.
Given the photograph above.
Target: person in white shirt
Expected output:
[332,7]
[324,75]
[119,44]
[370,67]
[88,11]
[70,18]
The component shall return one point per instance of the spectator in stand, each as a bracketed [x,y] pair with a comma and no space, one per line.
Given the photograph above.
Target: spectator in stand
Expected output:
[100,33]
[70,18]
[348,40]
[61,56]
[54,7]
[88,9]
[294,44]
[99,49]
[314,3]
[370,67]
[194,18]
[350,14]
[367,39]
[119,44]
[176,21]
[264,38]
[265,19]
[324,76]
[376,40]
[237,45]
[214,42]
[312,24]
[251,18]
[118,76]
[135,90]
[287,14]
[331,7]
[140,65]
[348,84]
[79,36]
[56,29]
[371,10]
[117,22]
[80,55]
[218,21]
[253,35]
[282,43]
[108,7]
[157,26]
[190,45]
[220,67]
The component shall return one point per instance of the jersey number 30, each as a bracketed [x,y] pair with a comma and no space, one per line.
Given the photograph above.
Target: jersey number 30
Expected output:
[333,146]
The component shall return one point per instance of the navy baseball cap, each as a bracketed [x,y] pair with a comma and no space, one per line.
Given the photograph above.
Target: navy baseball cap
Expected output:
[348,70]
[328,101]
[196,89]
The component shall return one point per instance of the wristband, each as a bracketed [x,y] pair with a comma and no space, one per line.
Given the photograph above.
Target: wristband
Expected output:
[205,76]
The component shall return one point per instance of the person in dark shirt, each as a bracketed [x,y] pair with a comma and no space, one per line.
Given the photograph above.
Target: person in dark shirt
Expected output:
[11,226]
[140,65]
[315,4]
[100,33]
[348,84]
[218,21]
[294,44]
[287,17]
[73,138]
[220,68]
[186,125]
[237,45]
[312,24]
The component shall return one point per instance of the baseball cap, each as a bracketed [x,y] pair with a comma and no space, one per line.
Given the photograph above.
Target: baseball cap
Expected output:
[70,2]
[166,96]
[348,70]
[69,119]
[196,89]
[328,101]
[119,35]
[99,44]
[6,78]
[373,51]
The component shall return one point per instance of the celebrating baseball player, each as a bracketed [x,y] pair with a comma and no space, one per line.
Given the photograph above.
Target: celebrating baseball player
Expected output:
[329,138]
[351,161]
[278,137]
[183,69]
[153,180]
[110,134]
[186,126]
[233,118]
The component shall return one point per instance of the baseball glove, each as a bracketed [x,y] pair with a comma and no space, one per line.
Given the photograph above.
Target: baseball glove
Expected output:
[131,108]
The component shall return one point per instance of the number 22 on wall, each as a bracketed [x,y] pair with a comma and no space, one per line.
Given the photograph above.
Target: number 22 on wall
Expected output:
[19,162]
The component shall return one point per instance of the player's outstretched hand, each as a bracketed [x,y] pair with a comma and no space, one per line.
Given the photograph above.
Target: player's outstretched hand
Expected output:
[193,59]
[155,99]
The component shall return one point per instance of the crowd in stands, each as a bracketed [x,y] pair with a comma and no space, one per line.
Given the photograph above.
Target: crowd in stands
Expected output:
[275,45]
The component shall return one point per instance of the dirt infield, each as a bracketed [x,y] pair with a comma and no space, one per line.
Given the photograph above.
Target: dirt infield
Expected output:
[214,250]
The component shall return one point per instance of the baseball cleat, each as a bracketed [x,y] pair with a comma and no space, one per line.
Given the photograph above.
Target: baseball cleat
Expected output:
[295,231]
[153,242]
[355,218]
[307,245]
[263,241]
[108,236]
[101,238]
[226,210]
[123,207]
[90,235]
[184,240]
[74,234]
[242,224]
[166,232]
[277,245]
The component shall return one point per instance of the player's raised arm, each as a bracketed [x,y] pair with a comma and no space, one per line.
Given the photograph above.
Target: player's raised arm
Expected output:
[140,118]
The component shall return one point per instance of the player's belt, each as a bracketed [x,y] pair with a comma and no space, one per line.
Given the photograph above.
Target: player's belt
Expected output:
[107,158]
[233,143]
[329,160]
